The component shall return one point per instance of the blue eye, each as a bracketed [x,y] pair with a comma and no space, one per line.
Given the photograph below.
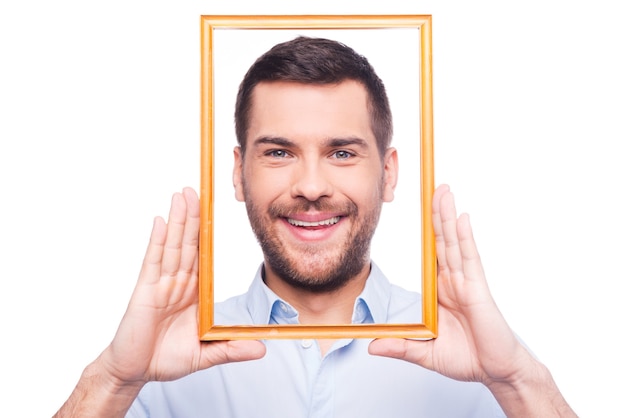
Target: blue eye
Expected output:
[277,153]
[342,155]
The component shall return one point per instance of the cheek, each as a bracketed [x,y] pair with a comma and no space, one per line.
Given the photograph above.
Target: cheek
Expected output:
[264,186]
[364,187]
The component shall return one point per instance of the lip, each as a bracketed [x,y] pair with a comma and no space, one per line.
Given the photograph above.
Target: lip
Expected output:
[312,217]
[313,226]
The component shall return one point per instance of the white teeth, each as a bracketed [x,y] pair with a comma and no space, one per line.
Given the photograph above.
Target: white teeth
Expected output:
[330,221]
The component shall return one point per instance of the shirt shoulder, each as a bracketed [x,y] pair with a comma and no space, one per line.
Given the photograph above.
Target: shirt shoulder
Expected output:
[405,307]
[234,311]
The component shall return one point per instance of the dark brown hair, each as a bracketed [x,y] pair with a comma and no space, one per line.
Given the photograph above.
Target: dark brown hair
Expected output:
[315,61]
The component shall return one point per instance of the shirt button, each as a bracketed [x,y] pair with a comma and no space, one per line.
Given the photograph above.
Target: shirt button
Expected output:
[283,307]
[307,343]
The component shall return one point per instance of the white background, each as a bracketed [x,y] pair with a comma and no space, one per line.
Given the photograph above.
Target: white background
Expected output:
[236,252]
[99,124]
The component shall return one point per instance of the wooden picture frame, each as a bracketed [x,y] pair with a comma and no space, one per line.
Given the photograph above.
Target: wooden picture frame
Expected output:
[249,26]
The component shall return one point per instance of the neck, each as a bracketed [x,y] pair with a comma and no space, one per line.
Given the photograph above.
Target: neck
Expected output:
[320,308]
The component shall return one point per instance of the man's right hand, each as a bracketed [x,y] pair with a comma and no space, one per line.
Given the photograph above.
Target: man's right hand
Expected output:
[158,336]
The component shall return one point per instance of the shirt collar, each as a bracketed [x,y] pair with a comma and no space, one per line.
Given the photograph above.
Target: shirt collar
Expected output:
[376,296]
[371,306]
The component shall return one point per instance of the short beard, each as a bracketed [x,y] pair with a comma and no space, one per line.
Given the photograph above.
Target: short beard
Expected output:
[337,273]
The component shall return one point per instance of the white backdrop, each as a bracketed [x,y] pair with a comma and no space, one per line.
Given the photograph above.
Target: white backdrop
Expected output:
[236,252]
[99,124]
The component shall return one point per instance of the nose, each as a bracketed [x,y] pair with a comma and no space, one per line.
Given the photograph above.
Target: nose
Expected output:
[311,181]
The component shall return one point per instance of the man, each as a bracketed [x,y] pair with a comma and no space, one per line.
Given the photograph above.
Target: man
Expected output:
[313,167]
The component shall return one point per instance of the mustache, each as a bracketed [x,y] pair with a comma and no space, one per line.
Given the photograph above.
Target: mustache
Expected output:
[323,204]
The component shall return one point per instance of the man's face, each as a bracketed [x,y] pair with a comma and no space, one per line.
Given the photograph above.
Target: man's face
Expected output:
[313,181]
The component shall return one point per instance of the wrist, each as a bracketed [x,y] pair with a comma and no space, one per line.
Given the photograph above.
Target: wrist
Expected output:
[101,374]
[530,391]
[100,393]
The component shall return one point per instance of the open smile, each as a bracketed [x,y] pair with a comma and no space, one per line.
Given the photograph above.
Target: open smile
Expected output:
[313,224]
[314,228]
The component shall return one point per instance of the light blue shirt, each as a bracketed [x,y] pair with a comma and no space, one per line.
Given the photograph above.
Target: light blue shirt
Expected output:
[293,380]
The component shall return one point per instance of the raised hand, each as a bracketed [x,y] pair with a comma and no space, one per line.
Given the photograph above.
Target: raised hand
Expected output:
[158,336]
[474,342]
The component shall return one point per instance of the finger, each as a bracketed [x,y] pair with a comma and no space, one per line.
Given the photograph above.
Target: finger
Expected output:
[189,256]
[189,253]
[454,260]
[173,241]
[413,351]
[220,352]
[437,224]
[151,269]
[472,265]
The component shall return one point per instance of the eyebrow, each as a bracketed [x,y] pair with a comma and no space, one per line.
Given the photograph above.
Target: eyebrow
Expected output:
[273,140]
[342,142]
[331,142]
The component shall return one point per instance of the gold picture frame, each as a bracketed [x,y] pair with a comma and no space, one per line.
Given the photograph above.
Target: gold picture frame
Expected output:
[210,26]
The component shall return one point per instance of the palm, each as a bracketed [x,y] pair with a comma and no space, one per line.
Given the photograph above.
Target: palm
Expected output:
[474,342]
[158,336]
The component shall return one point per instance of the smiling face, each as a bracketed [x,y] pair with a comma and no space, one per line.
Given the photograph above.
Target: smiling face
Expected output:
[313,181]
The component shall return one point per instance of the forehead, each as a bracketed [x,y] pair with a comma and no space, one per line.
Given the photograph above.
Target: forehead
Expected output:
[297,110]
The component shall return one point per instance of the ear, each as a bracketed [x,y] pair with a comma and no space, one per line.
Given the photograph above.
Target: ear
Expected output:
[390,173]
[238,174]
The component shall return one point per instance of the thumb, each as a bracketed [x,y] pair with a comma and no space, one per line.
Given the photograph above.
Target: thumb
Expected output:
[220,352]
[401,349]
